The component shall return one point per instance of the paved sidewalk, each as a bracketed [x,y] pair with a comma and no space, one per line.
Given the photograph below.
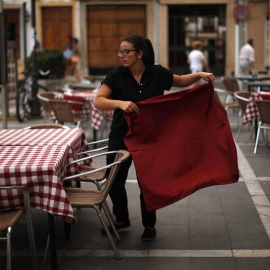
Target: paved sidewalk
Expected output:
[220,227]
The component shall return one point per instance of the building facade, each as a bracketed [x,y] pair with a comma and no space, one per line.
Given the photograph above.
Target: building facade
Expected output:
[222,25]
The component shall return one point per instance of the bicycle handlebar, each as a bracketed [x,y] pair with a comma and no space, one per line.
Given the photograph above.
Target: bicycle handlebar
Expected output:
[41,72]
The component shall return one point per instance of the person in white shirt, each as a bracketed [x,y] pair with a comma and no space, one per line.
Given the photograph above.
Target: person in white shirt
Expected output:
[246,58]
[196,59]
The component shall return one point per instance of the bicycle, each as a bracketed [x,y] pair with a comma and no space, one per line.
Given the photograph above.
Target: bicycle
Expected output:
[24,97]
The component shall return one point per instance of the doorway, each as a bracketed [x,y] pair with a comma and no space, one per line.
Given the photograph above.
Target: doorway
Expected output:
[188,23]
[107,25]
[56,26]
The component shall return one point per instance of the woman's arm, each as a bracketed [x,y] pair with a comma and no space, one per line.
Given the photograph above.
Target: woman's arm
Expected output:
[189,79]
[104,101]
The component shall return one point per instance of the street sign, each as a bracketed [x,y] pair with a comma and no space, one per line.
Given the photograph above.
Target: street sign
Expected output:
[240,12]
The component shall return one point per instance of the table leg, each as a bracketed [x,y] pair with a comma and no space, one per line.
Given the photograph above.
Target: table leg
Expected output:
[255,127]
[67,226]
[53,251]
[94,134]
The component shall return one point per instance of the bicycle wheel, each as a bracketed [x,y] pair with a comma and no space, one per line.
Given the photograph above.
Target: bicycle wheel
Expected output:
[23,105]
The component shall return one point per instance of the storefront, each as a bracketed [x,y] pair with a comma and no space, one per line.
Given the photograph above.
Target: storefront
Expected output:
[171,25]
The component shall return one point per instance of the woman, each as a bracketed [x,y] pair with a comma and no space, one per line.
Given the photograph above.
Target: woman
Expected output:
[75,60]
[136,80]
[196,59]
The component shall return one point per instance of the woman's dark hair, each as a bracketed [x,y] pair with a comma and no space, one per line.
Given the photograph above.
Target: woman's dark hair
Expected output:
[142,44]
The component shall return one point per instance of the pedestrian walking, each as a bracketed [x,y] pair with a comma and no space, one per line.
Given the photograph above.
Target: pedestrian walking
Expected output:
[137,79]
[196,59]
[247,58]
[75,59]
[67,55]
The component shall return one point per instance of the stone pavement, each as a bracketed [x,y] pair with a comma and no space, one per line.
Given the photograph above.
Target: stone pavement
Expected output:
[220,227]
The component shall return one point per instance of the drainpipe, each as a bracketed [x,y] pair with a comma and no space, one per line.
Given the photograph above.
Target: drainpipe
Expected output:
[35,106]
[236,45]
[3,64]
[156,31]
[236,48]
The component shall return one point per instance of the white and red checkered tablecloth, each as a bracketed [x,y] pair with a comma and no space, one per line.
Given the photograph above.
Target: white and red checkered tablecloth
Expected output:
[73,137]
[88,109]
[252,110]
[38,158]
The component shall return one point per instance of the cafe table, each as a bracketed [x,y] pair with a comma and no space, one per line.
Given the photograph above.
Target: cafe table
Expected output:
[38,158]
[251,78]
[260,86]
[252,112]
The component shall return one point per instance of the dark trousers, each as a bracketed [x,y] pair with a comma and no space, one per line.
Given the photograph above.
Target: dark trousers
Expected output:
[119,198]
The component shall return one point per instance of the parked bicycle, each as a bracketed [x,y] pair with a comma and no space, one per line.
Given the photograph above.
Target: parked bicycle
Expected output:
[24,97]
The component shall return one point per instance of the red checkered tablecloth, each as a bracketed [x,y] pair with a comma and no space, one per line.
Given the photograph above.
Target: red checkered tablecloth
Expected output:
[88,109]
[41,168]
[39,158]
[74,138]
[252,110]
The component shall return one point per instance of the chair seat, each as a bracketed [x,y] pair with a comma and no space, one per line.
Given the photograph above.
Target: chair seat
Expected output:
[81,119]
[80,197]
[231,105]
[96,176]
[9,218]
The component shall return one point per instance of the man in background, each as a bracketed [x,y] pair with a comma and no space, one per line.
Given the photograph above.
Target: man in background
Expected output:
[246,58]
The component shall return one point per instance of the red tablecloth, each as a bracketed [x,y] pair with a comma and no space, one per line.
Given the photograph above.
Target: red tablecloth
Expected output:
[252,110]
[38,158]
[180,143]
[88,109]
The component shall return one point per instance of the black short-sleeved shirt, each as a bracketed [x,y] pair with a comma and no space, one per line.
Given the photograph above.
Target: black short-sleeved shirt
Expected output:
[155,80]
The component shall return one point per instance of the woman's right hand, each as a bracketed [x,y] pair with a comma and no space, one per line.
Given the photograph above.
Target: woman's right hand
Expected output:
[128,107]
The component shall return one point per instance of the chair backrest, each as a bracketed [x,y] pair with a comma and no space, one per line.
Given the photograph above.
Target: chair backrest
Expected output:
[216,91]
[47,126]
[44,98]
[121,156]
[231,85]
[62,110]
[242,98]
[112,169]
[264,110]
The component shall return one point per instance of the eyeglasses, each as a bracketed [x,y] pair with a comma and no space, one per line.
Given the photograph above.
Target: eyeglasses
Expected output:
[125,52]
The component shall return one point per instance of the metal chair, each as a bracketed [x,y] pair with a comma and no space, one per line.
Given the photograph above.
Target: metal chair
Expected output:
[8,218]
[242,98]
[264,121]
[63,112]
[92,198]
[227,105]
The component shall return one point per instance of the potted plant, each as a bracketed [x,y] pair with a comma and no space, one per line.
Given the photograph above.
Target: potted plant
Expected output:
[49,59]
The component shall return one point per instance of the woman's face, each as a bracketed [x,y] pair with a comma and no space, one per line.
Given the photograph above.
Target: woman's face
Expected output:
[128,55]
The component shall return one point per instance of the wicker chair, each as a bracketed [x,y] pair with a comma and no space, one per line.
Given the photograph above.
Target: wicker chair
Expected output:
[242,98]
[44,99]
[264,122]
[46,126]
[96,178]
[92,198]
[8,218]
[63,112]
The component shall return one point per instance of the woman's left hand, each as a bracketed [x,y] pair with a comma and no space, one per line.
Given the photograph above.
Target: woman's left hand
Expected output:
[209,77]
